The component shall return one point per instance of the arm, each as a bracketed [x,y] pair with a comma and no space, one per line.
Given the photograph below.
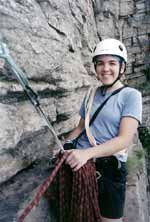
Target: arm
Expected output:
[128,128]
[77,130]
[72,135]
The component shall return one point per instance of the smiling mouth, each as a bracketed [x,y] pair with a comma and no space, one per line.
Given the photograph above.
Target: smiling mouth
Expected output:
[106,75]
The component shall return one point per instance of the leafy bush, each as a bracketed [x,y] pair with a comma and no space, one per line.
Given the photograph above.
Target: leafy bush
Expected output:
[144,135]
[147,73]
[135,161]
[145,86]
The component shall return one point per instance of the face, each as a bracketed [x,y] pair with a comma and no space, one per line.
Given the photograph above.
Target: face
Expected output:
[107,69]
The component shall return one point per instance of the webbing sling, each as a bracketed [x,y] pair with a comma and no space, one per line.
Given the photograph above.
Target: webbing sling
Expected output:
[88,106]
[98,110]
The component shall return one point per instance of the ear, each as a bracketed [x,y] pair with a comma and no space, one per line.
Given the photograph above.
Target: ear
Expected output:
[123,66]
[95,69]
[96,76]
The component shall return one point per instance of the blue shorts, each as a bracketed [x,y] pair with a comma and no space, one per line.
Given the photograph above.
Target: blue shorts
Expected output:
[112,186]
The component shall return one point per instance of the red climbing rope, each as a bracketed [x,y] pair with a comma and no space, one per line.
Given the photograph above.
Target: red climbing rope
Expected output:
[78,193]
[42,189]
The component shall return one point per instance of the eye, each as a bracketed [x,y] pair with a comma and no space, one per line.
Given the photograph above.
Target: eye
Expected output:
[113,63]
[99,63]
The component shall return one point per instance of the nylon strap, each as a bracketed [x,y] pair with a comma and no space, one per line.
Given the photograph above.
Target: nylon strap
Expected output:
[99,109]
[88,105]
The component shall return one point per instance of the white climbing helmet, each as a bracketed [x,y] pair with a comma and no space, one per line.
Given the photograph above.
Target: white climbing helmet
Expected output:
[110,47]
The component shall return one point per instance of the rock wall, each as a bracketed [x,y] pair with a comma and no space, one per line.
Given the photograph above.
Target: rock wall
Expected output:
[130,22]
[52,42]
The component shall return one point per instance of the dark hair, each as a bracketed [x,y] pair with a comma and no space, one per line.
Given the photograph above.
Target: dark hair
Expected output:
[120,60]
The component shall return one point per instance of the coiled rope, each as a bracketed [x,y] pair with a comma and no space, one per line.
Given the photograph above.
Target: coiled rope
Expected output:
[78,193]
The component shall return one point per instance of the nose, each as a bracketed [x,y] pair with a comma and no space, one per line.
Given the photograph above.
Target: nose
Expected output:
[105,67]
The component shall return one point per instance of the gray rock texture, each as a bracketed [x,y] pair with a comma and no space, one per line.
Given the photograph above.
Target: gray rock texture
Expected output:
[52,42]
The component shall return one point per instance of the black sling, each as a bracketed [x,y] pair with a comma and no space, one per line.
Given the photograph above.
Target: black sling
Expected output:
[97,111]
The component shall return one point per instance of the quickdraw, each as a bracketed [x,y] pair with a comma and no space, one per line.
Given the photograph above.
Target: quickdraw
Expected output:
[32,95]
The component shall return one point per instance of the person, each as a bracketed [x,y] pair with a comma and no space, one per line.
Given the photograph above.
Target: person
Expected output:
[113,129]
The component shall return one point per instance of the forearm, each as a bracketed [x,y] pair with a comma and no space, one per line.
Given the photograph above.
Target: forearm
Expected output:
[74,134]
[76,131]
[78,157]
[109,148]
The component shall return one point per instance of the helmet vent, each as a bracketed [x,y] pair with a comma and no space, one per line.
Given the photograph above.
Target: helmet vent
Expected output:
[120,47]
[94,49]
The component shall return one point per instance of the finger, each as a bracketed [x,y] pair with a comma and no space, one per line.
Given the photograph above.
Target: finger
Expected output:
[73,165]
[77,167]
[69,151]
[55,152]
[70,157]
[71,161]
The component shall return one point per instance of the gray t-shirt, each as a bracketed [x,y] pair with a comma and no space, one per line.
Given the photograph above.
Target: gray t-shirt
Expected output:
[128,102]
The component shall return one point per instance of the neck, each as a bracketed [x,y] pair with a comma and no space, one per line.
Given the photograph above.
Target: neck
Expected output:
[116,86]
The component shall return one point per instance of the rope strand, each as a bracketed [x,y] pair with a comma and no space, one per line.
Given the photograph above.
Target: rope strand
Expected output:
[78,193]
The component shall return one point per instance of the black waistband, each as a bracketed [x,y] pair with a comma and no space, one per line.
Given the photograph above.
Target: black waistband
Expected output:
[111,167]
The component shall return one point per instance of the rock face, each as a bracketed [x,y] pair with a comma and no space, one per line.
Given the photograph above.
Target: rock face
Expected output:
[52,42]
[136,208]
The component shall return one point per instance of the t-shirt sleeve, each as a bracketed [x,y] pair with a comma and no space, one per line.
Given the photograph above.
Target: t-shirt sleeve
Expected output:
[133,105]
[82,109]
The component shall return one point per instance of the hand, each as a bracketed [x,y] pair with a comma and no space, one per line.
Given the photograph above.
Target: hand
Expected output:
[77,158]
[55,152]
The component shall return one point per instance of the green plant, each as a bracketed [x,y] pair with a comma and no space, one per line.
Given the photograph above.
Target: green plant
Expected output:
[144,135]
[147,73]
[135,161]
[140,153]
[145,86]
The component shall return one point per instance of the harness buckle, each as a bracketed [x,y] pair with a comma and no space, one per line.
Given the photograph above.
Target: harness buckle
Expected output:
[98,175]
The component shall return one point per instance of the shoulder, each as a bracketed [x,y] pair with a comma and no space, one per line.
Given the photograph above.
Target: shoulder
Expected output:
[132,103]
[129,89]
[130,92]
[130,96]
